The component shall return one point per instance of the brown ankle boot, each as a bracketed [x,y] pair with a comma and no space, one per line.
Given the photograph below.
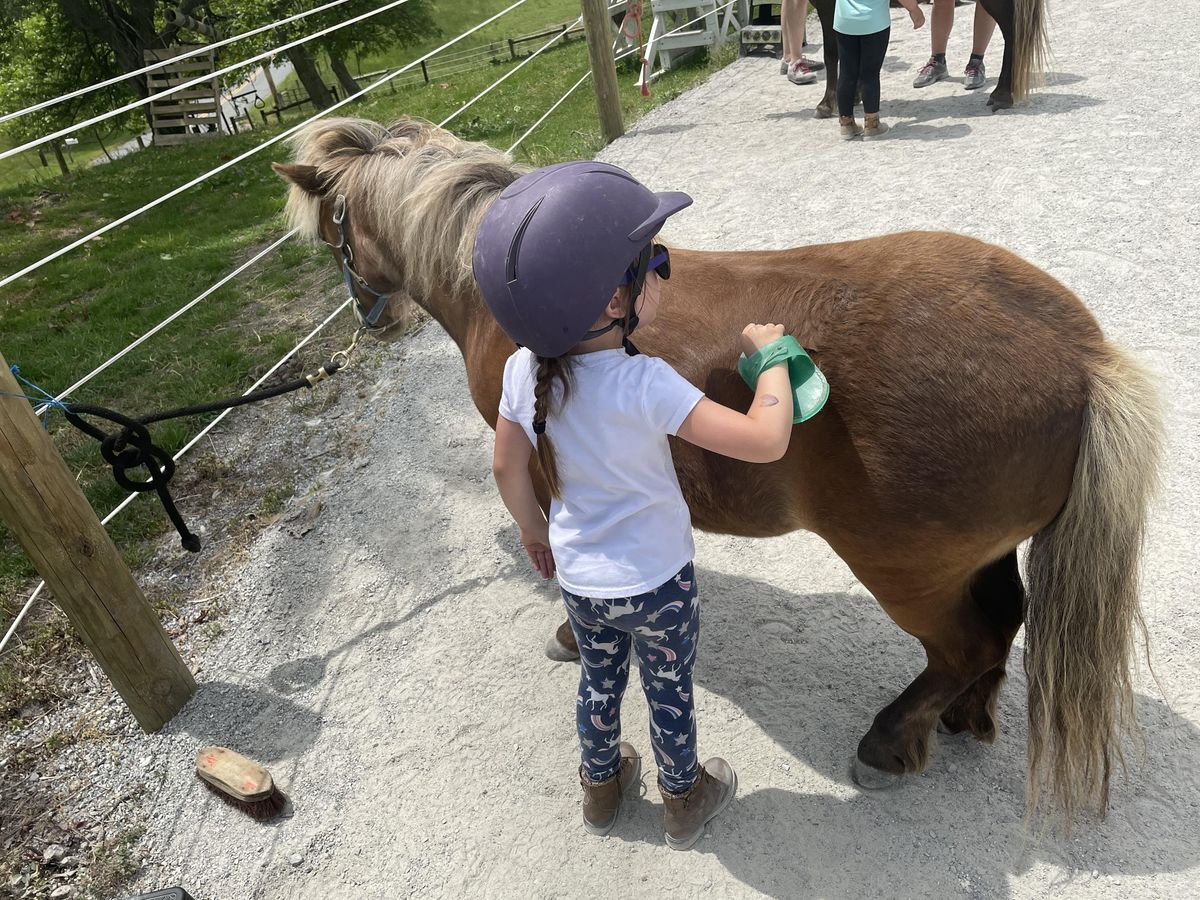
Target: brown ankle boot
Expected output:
[602,799]
[848,129]
[873,127]
[685,815]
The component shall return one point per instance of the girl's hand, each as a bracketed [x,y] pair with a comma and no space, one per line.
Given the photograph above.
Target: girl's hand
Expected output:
[918,17]
[755,337]
[537,545]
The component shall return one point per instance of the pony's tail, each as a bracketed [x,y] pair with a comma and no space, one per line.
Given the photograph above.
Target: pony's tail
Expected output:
[1082,613]
[1031,46]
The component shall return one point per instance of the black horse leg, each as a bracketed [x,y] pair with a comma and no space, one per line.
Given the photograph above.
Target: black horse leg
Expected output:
[999,593]
[825,109]
[1002,12]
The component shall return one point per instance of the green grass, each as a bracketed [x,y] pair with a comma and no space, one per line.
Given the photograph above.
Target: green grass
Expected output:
[27,167]
[72,314]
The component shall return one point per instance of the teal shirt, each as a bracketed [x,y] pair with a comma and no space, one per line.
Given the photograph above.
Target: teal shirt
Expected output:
[861,16]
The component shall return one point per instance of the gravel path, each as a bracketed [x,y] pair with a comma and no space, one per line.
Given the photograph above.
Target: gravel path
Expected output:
[387,664]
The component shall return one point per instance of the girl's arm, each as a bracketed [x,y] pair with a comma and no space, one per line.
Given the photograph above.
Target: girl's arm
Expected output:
[510,465]
[760,435]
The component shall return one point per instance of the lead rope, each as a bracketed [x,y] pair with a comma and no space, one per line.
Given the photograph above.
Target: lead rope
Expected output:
[131,446]
[631,29]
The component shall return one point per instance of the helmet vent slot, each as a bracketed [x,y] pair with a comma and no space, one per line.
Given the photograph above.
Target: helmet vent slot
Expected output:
[514,249]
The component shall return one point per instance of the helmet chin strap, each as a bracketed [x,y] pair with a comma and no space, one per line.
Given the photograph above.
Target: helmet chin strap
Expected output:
[628,322]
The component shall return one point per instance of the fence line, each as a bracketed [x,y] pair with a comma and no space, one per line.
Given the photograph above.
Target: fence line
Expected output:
[129,107]
[188,446]
[503,78]
[9,279]
[346,304]
[207,48]
[262,254]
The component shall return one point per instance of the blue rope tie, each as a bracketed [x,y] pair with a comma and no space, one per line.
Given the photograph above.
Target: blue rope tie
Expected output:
[45,397]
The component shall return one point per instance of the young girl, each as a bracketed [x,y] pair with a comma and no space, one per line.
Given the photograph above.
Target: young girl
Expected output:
[863,28]
[566,261]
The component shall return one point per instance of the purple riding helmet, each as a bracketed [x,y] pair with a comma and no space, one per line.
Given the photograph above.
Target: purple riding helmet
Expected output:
[557,242]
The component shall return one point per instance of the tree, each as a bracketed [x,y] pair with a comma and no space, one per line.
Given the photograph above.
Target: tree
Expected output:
[49,49]
[399,27]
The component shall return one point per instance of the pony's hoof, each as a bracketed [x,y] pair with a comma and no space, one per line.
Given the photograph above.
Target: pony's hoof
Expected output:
[997,103]
[823,111]
[560,652]
[870,778]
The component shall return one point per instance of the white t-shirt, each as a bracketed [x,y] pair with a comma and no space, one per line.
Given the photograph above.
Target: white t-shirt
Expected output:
[621,527]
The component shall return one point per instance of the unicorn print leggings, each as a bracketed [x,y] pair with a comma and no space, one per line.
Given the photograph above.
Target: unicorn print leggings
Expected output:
[663,627]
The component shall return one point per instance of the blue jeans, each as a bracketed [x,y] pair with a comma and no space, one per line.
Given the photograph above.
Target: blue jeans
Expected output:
[663,627]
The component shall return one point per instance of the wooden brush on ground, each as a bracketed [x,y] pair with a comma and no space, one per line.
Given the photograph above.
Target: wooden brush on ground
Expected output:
[240,782]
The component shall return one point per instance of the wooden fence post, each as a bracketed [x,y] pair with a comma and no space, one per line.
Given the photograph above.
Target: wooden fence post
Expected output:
[604,70]
[47,512]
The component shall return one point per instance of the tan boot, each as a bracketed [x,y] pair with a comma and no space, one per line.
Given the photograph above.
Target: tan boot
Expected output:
[874,128]
[849,128]
[602,799]
[685,815]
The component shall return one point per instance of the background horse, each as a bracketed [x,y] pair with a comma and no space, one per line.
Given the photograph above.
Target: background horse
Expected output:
[1026,50]
[974,404]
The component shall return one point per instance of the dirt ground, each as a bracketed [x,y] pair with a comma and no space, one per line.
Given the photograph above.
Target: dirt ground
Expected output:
[382,643]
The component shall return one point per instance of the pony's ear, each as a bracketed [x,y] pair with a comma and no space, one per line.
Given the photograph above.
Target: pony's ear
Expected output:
[304,177]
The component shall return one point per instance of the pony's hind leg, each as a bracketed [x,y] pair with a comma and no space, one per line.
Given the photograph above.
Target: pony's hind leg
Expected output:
[1000,595]
[962,644]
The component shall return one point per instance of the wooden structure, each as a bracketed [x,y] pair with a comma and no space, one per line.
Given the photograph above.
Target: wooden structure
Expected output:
[190,114]
[711,29]
[47,512]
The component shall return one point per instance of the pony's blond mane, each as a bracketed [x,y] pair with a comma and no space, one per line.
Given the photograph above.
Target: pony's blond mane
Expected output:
[419,191]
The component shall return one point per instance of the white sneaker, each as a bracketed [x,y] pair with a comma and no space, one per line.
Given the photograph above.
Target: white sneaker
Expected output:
[799,73]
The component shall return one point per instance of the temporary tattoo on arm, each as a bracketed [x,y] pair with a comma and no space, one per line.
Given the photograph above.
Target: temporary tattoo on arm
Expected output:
[768,400]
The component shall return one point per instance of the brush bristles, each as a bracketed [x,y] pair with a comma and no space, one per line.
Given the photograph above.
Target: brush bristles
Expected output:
[266,808]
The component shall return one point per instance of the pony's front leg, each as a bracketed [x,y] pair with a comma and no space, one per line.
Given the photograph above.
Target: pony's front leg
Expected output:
[562,646]
[829,49]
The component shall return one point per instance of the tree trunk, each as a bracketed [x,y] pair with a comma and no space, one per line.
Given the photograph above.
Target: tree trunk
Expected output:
[307,72]
[345,79]
[62,163]
[100,141]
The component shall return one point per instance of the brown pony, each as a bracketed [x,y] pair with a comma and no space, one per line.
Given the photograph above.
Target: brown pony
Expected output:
[974,404]
[1026,50]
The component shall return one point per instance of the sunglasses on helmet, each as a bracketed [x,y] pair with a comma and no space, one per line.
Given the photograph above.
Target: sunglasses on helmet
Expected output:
[654,258]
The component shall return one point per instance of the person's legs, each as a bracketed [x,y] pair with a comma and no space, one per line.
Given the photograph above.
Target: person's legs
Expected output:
[872,50]
[985,26]
[975,74]
[941,23]
[666,647]
[940,26]
[791,23]
[849,65]
[603,674]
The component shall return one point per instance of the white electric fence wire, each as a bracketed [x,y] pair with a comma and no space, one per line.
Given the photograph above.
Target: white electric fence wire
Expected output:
[171,318]
[203,79]
[206,48]
[507,75]
[116,223]
[188,446]
[588,74]
[37,591]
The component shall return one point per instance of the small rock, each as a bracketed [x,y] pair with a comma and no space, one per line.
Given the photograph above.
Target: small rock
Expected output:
[295,859]
[53,854]
[1095,873]
[62,891]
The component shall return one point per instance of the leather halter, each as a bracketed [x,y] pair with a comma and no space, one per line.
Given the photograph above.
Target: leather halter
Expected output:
[370,317]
